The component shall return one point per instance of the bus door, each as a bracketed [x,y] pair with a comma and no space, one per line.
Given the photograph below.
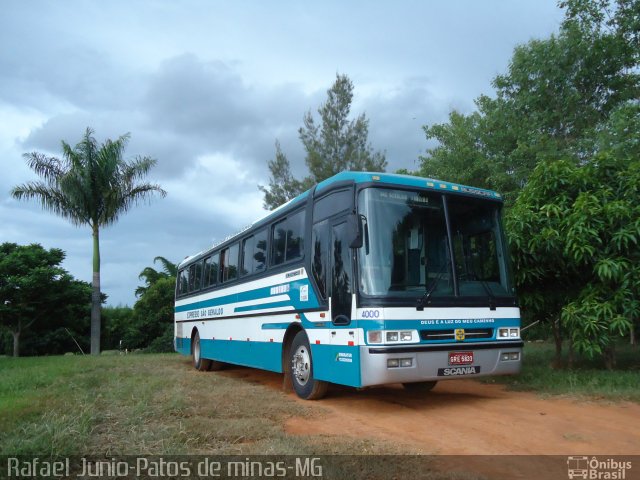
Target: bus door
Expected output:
[341,284]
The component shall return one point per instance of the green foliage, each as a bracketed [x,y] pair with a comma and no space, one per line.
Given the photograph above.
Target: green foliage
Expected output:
[575,231]
[91,185]
[151,275]
[41,304]
[153,317]
[116,326]
[548,105]
[282,185]
[149,324]
[332,145]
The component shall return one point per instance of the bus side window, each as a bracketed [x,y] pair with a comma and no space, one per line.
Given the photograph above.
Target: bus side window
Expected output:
[247,255]
[230,263]
[288,239]
[320,258]
[182,282]
[279,242]
[211,270]
[295,236]
[195,276]
[260,251]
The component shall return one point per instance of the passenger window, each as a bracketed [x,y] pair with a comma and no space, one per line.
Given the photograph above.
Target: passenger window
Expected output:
[183,282]
[211,270]
[230,263]
[195,276]
[288,238]
[260,251]
[247,255]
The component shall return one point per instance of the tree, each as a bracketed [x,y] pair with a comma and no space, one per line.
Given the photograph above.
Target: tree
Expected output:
[153,317]
[555,94]
[91,185]
[575,231]
[332,145]
[282,185]
[151,275]
[33,287]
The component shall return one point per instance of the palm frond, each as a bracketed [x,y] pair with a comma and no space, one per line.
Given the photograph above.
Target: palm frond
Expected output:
[49,168]
[169,267]
[51,199]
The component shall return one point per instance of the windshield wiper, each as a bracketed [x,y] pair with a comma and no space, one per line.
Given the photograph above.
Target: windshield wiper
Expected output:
[424,299]
[492,298]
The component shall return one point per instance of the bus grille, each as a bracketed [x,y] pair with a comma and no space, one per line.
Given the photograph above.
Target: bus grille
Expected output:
[450,334]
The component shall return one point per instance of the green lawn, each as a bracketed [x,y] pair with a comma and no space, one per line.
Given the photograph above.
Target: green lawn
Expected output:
[587,379]
[159,405]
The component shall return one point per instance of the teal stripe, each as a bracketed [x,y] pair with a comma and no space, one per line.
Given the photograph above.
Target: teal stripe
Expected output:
[262,306]
[256,294]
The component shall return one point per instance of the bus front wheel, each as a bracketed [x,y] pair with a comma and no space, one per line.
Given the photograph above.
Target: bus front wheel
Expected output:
[200,364]
[301,364]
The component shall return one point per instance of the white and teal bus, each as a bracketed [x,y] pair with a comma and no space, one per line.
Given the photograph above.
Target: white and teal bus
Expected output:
[366,279]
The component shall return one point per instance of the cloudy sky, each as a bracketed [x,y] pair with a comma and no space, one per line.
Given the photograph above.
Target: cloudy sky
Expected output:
[206,87]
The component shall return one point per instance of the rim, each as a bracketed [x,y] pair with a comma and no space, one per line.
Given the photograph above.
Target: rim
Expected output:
[301,365]
[196,349]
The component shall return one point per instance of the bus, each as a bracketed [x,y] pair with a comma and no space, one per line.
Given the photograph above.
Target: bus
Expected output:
[366,279]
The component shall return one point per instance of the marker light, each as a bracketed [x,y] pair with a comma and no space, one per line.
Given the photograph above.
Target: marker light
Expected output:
[375,336]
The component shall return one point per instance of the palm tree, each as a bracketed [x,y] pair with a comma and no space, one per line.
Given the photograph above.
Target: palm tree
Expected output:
[91,185]
[151,275]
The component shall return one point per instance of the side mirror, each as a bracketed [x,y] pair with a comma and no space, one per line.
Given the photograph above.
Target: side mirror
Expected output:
[354,229]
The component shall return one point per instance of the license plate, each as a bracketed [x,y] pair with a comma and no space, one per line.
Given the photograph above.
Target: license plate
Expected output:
[460,358]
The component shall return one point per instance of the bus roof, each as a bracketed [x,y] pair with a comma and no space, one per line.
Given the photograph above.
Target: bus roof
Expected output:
[367,177]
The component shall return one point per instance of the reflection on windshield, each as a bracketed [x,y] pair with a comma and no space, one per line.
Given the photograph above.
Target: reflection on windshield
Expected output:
[406,250]
[477,246]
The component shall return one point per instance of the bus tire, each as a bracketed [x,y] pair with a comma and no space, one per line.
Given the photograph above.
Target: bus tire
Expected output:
[199,363]
[420,387]
[301,364]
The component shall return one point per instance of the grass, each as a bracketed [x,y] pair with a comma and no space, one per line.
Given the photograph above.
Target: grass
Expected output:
[588,378]
[159,405]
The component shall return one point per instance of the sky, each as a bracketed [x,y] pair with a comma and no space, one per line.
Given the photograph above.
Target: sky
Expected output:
[207,87]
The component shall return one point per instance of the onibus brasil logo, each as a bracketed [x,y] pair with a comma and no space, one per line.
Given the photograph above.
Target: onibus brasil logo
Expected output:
[597,469]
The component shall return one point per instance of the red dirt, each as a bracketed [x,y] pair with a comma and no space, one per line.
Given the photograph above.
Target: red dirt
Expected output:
[465,417]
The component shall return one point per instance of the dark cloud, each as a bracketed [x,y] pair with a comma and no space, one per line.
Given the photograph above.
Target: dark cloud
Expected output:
[206,89]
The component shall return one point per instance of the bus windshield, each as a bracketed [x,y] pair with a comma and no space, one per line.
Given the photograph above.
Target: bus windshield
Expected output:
[407,250]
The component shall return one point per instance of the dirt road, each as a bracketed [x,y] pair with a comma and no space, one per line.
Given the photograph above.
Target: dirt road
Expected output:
[471,418]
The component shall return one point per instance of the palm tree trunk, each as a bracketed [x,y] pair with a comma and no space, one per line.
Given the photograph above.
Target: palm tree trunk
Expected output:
[95,294]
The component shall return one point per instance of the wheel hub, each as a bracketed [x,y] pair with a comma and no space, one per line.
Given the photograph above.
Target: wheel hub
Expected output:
[300,365]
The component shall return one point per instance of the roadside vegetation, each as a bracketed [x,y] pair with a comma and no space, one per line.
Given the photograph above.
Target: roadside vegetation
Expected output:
[586,380]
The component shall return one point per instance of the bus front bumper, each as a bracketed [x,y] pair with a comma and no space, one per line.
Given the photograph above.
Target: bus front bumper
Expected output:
[418,363]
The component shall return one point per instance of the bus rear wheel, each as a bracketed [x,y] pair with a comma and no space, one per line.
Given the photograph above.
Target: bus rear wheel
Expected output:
[199,363]
[420,386]
[301,364]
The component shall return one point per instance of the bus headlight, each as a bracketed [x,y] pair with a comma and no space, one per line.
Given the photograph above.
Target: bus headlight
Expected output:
[406,336]
[392,336]
[509,333]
